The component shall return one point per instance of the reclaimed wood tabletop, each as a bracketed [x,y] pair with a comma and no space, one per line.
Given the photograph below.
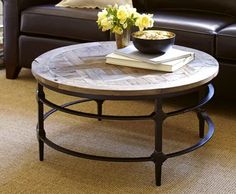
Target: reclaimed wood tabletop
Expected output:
[81,68]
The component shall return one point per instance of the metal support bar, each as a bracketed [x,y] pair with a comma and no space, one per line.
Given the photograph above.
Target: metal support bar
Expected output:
[40,127]
[201,122]
[90,115]
[158,155]
[99,107]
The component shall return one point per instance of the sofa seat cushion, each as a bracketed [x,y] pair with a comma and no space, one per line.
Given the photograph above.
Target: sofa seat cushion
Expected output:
[226,43]
[193,29]
[59,22]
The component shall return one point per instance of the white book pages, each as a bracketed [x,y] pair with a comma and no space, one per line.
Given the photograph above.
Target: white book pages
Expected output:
[170,55]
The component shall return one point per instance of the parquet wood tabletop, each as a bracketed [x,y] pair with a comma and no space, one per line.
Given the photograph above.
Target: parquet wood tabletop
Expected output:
[82,68]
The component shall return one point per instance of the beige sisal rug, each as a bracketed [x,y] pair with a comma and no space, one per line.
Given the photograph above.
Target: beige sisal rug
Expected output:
[211,169]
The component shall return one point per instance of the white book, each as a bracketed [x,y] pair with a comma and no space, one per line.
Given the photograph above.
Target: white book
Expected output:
[169,66]
[172,54]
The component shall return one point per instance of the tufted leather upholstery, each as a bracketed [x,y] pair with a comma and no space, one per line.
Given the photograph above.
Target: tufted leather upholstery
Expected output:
[200,28]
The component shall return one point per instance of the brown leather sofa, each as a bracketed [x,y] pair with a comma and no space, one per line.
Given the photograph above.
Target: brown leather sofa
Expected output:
[32,27]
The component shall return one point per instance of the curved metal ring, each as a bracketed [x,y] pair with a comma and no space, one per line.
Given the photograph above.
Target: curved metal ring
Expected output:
[89,115]
[94,157]
[204,140]
[202,102]
[63,108]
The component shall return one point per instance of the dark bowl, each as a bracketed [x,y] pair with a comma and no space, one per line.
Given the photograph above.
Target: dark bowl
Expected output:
[153,41]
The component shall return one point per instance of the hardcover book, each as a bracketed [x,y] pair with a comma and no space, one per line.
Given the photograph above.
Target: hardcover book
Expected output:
[172,54]
[168,66]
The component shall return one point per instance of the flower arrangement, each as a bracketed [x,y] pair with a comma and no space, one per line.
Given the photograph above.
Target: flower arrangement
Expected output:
[119,18]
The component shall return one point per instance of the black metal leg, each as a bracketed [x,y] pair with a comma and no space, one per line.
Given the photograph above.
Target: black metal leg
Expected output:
[201,123]
[41,150]
[99,106]
[201,94]
[40,130]
[158,167]
[158,156]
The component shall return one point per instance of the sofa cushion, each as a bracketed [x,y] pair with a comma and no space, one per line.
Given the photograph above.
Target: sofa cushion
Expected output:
[226,43]
[92,3]
[67,23]
[193,29]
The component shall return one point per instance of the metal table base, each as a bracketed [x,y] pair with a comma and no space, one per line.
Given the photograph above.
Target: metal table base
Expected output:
[158,116]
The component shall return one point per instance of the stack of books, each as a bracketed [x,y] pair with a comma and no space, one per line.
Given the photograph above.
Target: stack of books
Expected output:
[170,61]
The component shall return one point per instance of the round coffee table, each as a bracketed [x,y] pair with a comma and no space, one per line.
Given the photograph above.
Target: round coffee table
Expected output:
[80,70]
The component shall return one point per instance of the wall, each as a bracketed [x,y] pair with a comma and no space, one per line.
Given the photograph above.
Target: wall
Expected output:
[1,23]
[1,13]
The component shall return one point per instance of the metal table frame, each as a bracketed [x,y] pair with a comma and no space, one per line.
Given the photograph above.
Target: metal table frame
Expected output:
[158,116]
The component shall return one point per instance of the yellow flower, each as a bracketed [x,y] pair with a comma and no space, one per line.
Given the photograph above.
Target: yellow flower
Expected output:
[125,25]
[117,18]
[117,30]
[144,21]
[122,13]
[102,15]
[106,24]
[131,10]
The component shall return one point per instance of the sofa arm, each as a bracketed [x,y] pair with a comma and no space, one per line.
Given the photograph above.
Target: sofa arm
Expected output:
[11,22]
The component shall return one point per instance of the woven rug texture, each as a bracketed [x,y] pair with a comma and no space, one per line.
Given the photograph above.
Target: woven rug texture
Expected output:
[210,169]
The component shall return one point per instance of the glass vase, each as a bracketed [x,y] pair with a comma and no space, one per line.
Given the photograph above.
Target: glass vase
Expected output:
[122,40]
